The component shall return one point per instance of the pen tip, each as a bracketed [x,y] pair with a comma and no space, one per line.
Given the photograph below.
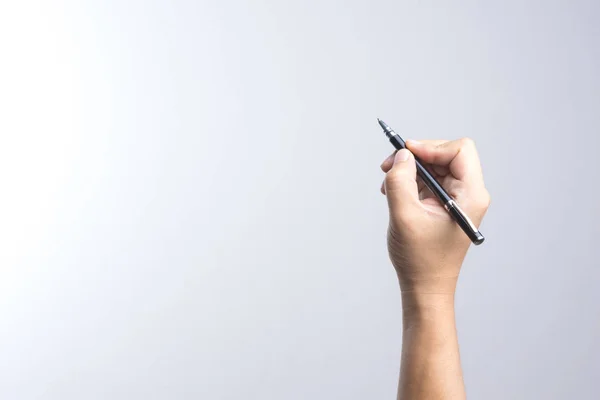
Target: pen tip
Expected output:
[383,125]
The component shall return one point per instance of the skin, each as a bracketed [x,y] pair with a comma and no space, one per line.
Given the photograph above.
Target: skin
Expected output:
[427,249]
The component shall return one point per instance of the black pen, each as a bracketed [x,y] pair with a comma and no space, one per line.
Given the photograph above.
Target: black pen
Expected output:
[449,204]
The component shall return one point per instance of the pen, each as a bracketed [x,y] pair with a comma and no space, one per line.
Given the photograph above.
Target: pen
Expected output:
[449,204]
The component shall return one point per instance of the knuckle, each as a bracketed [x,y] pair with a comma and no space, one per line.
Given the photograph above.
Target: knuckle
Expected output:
[393,176]
[397,178]
[390,177]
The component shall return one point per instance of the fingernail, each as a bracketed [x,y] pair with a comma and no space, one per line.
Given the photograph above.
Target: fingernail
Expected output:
[402,155]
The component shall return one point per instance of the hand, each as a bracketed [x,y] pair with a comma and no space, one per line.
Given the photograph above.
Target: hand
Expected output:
[426,246]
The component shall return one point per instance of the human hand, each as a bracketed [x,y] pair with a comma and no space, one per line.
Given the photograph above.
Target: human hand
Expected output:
[426,246]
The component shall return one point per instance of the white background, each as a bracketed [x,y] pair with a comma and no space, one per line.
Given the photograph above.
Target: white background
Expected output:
[189,204]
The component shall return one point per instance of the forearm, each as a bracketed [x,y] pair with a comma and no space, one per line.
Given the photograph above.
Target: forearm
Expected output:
[430,365]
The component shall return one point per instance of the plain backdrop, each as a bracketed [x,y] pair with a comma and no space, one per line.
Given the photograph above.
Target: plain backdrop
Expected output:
[190,204]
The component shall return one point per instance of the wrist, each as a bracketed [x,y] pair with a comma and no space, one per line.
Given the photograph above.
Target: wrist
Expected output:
[423,285]
[423,307]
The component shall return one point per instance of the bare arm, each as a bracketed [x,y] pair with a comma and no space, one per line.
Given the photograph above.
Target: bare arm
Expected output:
[430,364]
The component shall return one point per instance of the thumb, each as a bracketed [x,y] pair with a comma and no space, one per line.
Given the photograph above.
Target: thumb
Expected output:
[401,185]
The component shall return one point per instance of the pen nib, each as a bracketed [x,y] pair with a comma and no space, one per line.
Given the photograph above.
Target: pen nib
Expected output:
[383,125]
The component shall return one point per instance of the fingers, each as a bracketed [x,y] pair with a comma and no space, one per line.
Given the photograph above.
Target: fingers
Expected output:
[401,185]
[462,161]
[459,156]
[386,165]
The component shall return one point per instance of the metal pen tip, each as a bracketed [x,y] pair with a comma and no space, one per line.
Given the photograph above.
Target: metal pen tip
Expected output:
[383,125]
